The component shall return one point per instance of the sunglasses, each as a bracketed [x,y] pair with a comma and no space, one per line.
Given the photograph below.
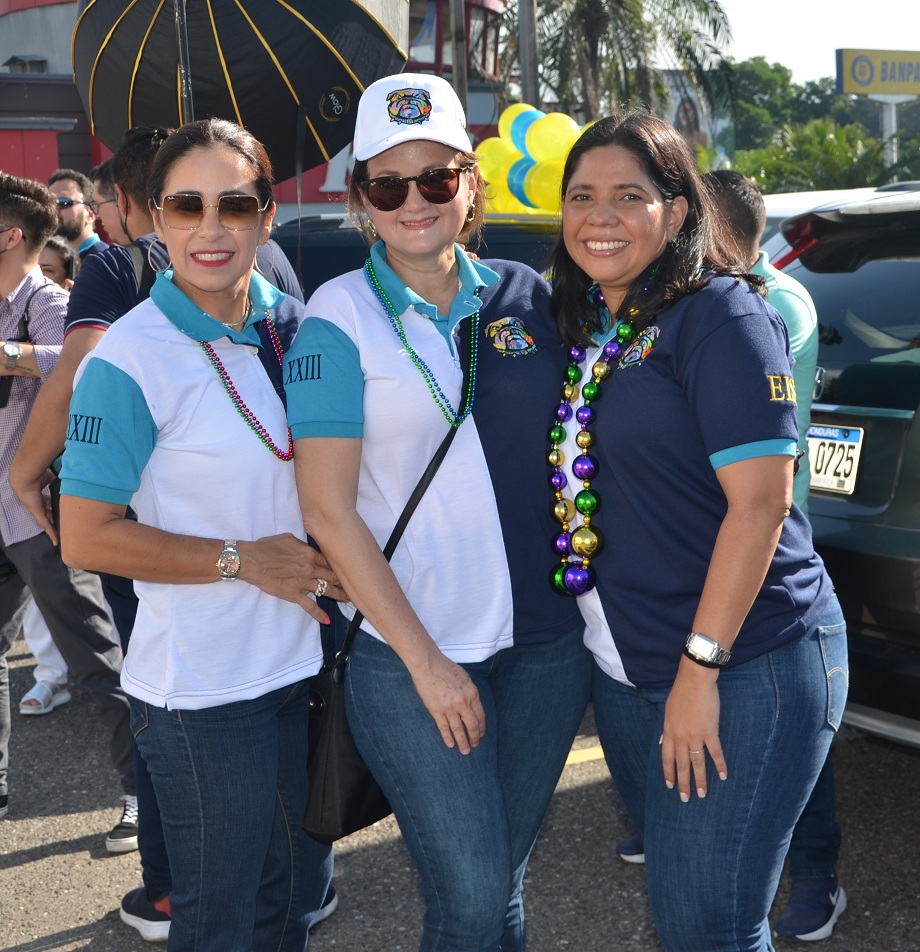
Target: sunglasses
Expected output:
[70,202]
[234,212]
[438,186]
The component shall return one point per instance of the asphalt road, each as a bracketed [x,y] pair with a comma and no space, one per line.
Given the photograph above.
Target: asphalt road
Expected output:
[59,889]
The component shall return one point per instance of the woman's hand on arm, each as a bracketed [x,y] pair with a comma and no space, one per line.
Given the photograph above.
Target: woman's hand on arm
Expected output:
[327,483]
[98,537]
[759,496]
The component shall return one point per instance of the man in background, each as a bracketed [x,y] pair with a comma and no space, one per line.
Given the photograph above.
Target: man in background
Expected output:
[105,201]
[73,192]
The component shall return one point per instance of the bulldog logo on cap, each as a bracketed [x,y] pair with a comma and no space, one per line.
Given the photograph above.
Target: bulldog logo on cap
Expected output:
[409,106]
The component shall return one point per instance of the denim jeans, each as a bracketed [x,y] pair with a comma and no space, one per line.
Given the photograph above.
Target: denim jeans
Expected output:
[815,842]
[713,865]
[470,822]
[231,782]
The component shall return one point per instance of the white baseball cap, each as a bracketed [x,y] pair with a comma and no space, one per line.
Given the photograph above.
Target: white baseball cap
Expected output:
[407,107]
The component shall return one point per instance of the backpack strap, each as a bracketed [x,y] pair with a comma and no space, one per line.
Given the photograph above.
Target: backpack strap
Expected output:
[142,271]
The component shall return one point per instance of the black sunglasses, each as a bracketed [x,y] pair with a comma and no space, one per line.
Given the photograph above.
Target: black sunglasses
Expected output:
[438,186]
[234,212]
[70,202]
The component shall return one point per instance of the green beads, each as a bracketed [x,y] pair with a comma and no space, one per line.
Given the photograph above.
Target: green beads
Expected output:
[591,390]
[557,434]
[587,502]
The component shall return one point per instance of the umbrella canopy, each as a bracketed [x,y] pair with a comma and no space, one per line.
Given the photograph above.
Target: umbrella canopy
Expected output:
[290,71]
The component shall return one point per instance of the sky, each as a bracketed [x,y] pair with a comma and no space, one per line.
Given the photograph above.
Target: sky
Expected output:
[803,35]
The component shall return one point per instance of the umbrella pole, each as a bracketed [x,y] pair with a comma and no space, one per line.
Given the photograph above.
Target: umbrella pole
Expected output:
[185,66]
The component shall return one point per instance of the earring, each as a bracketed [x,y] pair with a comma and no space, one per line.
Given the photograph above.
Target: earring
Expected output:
[471,214]
[372,228]
[153,267]
[265,271]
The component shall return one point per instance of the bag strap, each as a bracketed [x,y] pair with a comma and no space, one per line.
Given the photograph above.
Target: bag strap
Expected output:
[463,344]
[22,332]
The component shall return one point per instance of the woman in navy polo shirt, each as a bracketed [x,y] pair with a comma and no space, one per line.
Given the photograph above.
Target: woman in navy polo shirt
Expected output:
[721,667]
[468,678]
[178,412]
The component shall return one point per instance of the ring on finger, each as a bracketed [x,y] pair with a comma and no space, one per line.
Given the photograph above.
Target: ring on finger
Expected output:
[321,586]
[697,751]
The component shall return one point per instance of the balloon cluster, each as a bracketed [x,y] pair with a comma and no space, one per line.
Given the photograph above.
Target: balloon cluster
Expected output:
[523,163]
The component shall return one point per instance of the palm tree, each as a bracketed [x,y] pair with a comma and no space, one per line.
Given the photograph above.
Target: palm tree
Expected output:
[597,55]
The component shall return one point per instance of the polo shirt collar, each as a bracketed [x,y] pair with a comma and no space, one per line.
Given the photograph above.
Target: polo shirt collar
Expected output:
[473,277]
[92,240]
[199,325]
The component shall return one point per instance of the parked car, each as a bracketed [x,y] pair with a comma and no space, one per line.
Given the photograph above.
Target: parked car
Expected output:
[331,245]
[860,261]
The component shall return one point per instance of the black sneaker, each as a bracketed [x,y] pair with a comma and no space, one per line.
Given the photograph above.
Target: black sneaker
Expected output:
[330,903]
[813,909]
[123,836]
[148,912]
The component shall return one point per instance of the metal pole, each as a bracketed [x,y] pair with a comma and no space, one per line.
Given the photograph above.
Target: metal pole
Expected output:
[458,51]
[527,42]
[187,108]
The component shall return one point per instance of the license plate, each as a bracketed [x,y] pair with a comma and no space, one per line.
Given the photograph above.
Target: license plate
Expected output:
[833,456]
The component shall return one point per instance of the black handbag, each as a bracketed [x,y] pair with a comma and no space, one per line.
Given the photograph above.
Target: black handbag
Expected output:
[344,797]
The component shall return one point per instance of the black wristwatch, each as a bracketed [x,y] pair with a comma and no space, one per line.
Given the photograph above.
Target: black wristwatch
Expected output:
[705,651]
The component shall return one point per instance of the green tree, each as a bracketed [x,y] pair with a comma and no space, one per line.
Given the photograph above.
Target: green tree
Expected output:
[600,55]
[817,155]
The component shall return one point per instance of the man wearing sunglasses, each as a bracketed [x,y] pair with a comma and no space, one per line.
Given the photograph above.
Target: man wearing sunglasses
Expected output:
[73,192]
[105,200]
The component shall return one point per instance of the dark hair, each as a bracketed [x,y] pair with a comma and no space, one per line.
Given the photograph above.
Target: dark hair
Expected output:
[694,125]
[31,206]
[133,160]
[469,235]
[84,185]
[102,177]
[205,133]
[70,260]
[740,206]
[670,163]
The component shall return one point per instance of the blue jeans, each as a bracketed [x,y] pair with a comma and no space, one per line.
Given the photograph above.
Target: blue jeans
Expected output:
[713,865]
[815,842]
[231,782]
[470,822]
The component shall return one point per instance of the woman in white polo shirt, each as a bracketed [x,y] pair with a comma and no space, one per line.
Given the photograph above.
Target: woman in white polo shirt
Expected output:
[468,678]
[178,413]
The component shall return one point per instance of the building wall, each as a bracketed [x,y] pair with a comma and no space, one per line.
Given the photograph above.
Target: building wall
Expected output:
[40,29]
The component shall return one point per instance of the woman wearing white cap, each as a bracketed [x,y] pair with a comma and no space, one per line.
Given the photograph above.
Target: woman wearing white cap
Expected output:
[468,678]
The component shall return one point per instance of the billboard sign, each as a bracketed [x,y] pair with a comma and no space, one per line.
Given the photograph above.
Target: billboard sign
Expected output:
[866,72]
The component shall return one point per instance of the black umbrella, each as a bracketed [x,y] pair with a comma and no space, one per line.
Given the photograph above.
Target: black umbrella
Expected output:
[290,71]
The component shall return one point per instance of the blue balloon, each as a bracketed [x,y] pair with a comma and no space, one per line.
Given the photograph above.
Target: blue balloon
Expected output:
[519,128]
[516,177]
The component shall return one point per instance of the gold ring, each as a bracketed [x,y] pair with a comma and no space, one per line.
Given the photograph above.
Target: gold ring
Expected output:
[321,586]
[698,751]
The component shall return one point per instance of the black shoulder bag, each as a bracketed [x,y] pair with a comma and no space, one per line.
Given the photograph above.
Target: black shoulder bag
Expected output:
[344,797]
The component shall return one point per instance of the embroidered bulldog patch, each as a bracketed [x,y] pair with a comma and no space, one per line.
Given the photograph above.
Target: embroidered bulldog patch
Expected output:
[409,106]
[509,337]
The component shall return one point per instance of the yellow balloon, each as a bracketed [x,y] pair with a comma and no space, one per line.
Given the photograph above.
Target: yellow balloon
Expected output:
[492,152]
[504,167]
[508,116]
[551,136]
[543,185]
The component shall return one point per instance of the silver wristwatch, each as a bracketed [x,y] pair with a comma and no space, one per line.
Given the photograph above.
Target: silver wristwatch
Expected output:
[705,651]
[12,351]
[229,562]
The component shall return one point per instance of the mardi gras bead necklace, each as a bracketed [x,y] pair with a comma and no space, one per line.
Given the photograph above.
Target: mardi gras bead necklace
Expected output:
[576,577]
[248,416]
[434,388]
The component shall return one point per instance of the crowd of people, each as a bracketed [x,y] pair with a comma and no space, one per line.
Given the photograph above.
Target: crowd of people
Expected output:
[222,470]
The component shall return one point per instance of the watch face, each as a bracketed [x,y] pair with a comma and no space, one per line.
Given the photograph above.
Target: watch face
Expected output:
[12,349]
[228,564]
